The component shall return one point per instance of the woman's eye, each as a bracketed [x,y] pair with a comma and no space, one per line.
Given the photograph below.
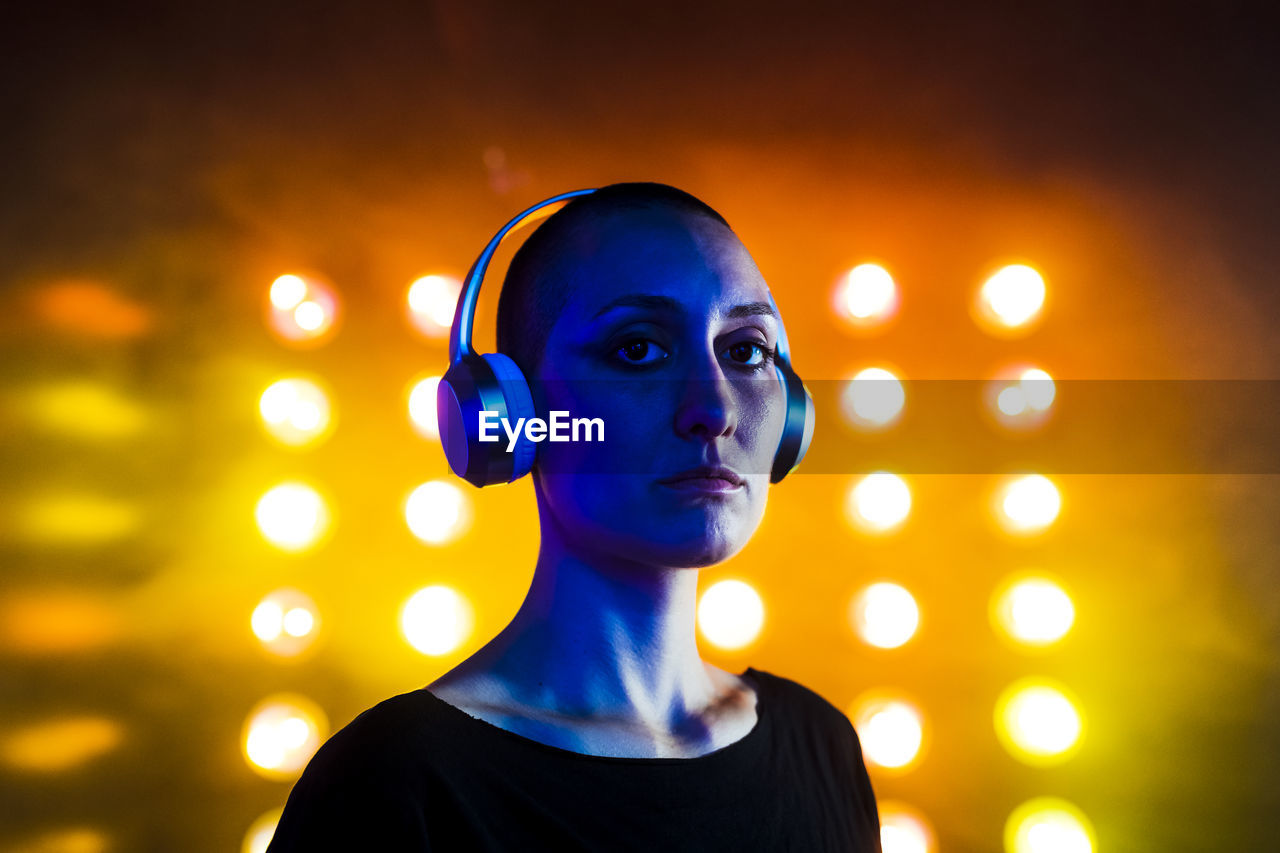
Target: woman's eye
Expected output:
[750,354]
[641,351]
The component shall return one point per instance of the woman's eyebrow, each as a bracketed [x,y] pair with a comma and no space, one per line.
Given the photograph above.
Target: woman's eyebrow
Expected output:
[643,300]
[752,309]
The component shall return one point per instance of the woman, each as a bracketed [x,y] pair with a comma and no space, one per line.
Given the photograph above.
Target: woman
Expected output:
[591,722]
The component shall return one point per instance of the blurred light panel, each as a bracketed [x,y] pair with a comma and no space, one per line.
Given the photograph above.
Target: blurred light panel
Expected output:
[730,614]
[873,399]
[302,310]
[891,729]
[431,301]
[1031,610]
[1038,722]
[77,519]
[904,829]
[45,622]
[422,407]
[1028,504]
[879,503]
[261,831]
[437,512]
[1048,825]
[1011,299]
[436,620]
[286,621]
[59,744]
[84,410]
[295,411]
[884,615]
[77,839]
[93,310]
[292,516]
[867,295]
[281,734]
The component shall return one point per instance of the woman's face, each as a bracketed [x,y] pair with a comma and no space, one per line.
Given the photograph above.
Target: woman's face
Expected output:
[668,337]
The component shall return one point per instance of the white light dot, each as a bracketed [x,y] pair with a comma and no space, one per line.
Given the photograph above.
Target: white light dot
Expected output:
[879,502]
[885,615]
[869,292]
[437,512]
[1014,294]
[730,614]
[874,398]
[436,620]
[287,291]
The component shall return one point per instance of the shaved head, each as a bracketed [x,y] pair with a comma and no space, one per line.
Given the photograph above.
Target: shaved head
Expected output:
[543,273]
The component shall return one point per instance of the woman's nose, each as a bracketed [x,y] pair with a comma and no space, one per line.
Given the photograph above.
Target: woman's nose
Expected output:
[706,408]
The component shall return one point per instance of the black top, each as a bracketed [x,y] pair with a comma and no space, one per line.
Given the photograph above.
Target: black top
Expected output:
[415,773]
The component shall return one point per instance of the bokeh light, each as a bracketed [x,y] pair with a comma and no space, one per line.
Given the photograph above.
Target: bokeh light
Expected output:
[295,411]
[91,411]
[437,512]
[884,615]
[72,839]
[292,516]
[431,301]
[730,614]
[422,406]
[1038,722]
[873,399]
[286,621]
[879,502]
[1020,397]
[59,744]
[1028,504]
[904,829]
[1032,610]
[1048,825]
[867,295]
[281,733]
[1011,298]
[75,519]
[891,729]
[260,832]
[302,310]
[436,620]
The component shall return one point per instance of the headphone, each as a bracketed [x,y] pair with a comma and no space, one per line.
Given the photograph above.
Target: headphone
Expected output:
[492,382]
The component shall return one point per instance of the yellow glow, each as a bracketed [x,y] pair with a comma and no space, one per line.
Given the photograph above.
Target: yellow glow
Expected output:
[730,614]
[436,620]
[286,622]
[1048,825]
[287,292]
[57,622]
[281,734]
[87,410]
[869,293]
[879,502]
[295,411]
[437,512]
[1029,504]
[432,301]
[422,407]
[1038,388]
[292,516]
[72,840]
[1037,722]
[1035,611]
[261,831]
[77,519]
[873,398]
[310,316]
[1014,295]
[904,829]
[885,615]
[60,744]
[891,730]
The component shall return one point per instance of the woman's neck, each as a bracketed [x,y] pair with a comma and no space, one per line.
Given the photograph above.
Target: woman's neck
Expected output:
[604,639]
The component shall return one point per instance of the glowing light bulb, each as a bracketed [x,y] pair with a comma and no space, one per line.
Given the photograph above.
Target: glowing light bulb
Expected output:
[292,516]
[437,512]
[1037,722]
[868,294]
[1029,504]
[873,399]
[436,620]
[730,614]
[885,615]
[879,502]
[1013,296]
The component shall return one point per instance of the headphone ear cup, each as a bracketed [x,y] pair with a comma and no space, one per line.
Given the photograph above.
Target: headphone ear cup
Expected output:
[797,428]
[519,405]
[477,384]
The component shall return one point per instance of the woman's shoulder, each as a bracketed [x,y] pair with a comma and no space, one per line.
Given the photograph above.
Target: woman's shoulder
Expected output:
[395,732]
[796,703]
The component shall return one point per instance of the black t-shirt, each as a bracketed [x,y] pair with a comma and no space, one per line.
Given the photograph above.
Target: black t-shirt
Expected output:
[415,773]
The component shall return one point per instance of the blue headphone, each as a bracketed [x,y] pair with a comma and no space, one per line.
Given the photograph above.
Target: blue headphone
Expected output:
[492,382]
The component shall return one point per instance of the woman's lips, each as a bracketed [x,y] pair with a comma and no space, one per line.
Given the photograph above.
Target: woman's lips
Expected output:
[703,484]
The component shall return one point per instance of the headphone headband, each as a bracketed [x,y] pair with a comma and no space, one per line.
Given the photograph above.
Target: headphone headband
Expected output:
[464,317]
